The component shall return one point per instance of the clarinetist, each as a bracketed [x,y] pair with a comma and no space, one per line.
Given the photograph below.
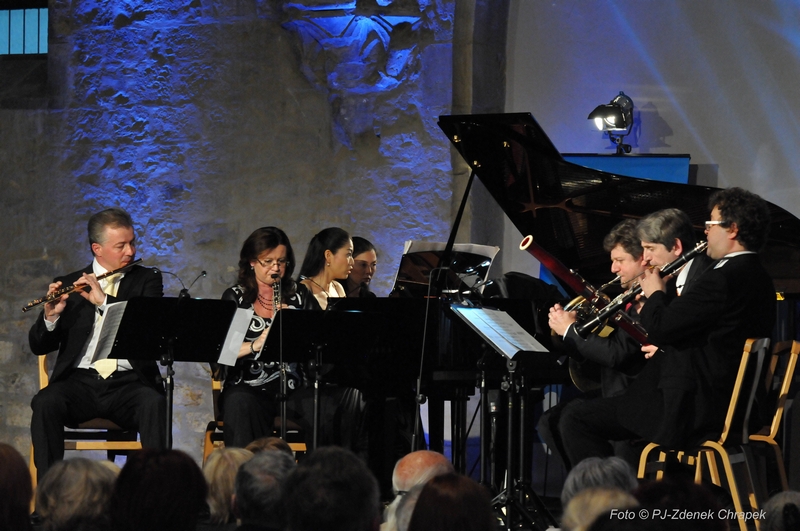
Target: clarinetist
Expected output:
[127,392]
[249,399]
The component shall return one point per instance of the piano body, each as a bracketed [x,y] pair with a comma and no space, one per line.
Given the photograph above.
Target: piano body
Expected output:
[568,209]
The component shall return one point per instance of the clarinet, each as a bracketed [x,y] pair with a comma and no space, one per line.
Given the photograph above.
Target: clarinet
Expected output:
[620,302]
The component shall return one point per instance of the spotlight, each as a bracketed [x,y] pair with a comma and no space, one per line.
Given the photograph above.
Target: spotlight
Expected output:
[616,119]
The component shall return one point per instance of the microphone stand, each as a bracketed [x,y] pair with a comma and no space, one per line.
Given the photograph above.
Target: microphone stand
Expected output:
[168,359]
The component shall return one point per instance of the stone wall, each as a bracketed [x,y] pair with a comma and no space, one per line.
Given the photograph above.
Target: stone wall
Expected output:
[207,120]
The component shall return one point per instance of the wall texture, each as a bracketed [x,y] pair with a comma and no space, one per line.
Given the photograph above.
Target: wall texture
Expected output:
[207,120]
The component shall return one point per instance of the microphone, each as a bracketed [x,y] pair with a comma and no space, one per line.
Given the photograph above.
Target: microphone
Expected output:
[184,291]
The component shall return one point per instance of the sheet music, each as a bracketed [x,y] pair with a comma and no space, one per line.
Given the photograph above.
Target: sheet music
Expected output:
[235,337]
[500,330]
[112,317]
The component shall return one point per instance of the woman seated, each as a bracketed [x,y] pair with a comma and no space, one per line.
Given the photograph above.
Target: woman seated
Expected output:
[249,399]
[329,257]
[365,262]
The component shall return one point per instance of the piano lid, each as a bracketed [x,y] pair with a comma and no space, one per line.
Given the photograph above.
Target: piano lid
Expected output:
[568,209]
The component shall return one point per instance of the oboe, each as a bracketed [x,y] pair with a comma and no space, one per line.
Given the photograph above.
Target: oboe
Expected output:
[69,289]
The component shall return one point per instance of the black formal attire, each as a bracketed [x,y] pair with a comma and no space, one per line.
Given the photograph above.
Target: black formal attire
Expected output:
[248,402]
[133,399]
[681,396]
[618,358]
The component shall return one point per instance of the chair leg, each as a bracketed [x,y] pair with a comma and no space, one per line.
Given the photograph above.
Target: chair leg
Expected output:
[643,459]
[732,483]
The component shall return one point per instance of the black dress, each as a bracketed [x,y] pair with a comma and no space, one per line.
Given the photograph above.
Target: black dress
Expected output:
[248,403]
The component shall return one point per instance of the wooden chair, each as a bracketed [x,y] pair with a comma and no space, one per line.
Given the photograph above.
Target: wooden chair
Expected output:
[778,378]
[94,434]
[728,447]
[214,436]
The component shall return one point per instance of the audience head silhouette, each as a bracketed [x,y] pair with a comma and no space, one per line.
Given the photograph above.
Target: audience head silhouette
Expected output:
[598,472]
[259,489]
[75,494]
[453,502]
[220,473]
[15,489]
[158,490]
[332,490]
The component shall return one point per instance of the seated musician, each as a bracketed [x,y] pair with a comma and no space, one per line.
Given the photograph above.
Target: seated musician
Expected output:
[329,257]
[249,397]
[682,394]
[666,235]
[365,262]
[127,392]
[618,355]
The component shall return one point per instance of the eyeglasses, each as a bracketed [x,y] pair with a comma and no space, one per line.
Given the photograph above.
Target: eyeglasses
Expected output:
[269,262]
[710,224]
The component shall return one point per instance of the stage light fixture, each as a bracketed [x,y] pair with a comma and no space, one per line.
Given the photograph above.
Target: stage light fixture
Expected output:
[616,119]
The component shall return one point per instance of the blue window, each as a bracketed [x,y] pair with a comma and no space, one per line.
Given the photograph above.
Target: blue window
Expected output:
[23,31]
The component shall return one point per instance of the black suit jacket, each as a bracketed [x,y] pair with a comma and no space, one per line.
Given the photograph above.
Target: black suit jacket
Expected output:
[74,327]
[682,394]
[619,356]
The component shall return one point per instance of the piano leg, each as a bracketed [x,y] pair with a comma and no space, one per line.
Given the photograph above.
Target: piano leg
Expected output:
[458,427]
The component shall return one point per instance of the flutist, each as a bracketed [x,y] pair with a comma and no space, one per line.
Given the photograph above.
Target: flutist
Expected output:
[129,393]
[681,396]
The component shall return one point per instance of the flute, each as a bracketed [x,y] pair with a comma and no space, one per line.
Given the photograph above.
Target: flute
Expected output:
[69,289]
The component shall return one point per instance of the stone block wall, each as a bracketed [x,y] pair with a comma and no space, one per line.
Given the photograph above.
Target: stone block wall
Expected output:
[206,120]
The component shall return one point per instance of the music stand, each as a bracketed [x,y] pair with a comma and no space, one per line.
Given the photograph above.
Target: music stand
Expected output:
[313,336]
[172,329]
[508,338]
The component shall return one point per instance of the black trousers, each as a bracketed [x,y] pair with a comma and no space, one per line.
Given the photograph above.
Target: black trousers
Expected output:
[588,428]
[83,395]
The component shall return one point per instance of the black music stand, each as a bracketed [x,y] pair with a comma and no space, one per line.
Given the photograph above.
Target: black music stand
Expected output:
[499,331]
[315,337]
[172,329]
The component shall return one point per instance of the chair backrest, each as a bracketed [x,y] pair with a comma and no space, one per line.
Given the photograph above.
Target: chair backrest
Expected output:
[748,378]
[216,390]
[44,377]
[778,381]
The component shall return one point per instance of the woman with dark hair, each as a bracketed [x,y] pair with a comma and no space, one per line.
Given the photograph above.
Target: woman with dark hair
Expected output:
[158,490]
[329,257]
[365,262]
[248,401]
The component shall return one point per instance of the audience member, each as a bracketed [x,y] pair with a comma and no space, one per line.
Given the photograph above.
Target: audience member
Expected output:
[415,468]
[332,490]
[452,502]
[269,443]
[75,494]
[220,473]
[782,512]
[259,489]
[405,507]
[587,505]
[158,490]
[598,472]
[15,490]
